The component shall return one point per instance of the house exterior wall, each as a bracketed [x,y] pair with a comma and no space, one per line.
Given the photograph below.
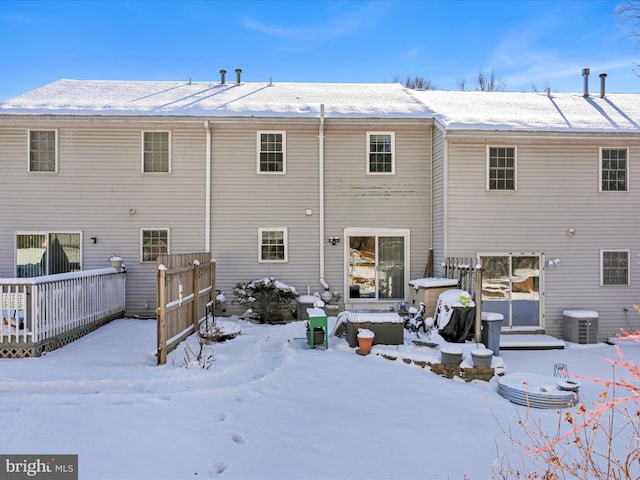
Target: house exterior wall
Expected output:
[98,181]
[557,188]
[243,201]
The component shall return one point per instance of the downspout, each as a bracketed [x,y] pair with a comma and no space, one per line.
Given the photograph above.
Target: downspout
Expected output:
[207,190]
[323,282]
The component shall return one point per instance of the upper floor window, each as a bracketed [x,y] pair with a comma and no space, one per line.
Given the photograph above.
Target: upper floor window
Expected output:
[614,169]
[156,152]
[154,242]
[614,267]
[47,253]
[43,151]
[380,152]
[501,168]
[272,156]
[272,244]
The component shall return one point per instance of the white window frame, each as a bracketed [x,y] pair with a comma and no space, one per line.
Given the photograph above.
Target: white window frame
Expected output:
[626,185]
[615,250]
[47,234]
[259,151]
[488,169]
[169,154]
[45,172]
[150,229]
[285,232]
[392,136]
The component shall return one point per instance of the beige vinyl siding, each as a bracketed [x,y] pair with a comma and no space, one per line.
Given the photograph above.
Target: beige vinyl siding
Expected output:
[355,199]
[243,201]
[99,180]
[439,204]
[557,189]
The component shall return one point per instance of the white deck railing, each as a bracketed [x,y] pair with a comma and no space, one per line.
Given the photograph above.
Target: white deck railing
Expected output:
[38,308]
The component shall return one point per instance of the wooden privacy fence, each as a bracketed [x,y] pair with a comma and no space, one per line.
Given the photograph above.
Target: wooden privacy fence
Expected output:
[186,291]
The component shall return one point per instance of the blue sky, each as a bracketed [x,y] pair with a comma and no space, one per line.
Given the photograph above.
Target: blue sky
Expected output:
[528,44]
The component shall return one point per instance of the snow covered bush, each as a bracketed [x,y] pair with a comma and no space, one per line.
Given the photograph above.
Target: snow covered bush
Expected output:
[266,299]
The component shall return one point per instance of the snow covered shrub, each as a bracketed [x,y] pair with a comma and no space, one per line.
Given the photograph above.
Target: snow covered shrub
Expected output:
[266,299]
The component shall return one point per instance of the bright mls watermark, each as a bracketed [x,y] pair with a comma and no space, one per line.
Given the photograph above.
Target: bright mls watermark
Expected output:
[49,467]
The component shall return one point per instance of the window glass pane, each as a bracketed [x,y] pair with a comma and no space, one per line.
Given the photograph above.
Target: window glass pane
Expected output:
[156,152]
[502,173]
[154,243]
[614,170]
[42,151]
[271,152]
[380,153]
[272,245]
[31,257]
[615,268]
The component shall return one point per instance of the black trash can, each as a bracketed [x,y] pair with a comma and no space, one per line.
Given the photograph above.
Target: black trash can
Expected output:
[491,328]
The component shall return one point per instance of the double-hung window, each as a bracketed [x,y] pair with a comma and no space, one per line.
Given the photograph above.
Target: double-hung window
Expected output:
[153,243]
[156,152]
[381,153]
[614,167]
[501,168]
[614,267]
[272,244]
[47,253]
[272,157]
[43,151]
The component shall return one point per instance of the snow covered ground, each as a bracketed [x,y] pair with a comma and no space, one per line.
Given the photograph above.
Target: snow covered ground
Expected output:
[269,408]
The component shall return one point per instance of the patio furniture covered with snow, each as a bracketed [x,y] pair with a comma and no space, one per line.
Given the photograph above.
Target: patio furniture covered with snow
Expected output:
[388,327]
[455,315]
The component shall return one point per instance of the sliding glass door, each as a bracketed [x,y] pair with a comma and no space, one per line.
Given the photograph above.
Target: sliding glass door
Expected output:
[511,286]
[377,264]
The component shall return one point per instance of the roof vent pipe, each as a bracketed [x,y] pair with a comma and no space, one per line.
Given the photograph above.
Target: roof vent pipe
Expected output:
[238,73]
[585,74]
[602,77]
[548,91]
[222,76]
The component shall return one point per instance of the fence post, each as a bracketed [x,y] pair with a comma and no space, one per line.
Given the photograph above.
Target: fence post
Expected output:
[478,323]
[162,315]
[196,297]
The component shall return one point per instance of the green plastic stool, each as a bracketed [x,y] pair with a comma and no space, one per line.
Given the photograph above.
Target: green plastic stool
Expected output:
[317,318]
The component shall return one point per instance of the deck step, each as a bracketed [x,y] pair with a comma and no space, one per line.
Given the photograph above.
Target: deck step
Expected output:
[529,341]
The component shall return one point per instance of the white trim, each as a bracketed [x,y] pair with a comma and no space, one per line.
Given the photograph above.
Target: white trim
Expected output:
[169,147]
[367,167]
[515,168]
[148,229]
[285,232]
[600,149]
[259,151]
[613,250]
[56,154]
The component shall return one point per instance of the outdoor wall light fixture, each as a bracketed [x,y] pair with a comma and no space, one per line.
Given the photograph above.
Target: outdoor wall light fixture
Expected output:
[94,240]
[334,240]
[571,232]
[553,263]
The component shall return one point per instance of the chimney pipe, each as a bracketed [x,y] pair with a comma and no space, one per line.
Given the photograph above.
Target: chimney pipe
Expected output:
[548,91]
[585,74]
[238,73]
[222,76]
[602,77]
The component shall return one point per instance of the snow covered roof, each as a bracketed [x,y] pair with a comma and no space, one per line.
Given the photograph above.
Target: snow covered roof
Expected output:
[531,111]
[101,97]
[456,110]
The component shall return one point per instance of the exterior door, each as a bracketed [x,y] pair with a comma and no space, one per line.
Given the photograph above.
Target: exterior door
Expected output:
[511,286]
[376,265]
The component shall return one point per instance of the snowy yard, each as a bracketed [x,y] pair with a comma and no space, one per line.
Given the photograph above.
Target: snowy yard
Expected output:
[268,408]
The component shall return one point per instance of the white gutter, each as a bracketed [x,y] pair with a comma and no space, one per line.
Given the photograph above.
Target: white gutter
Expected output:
[323,282]
[207,190]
